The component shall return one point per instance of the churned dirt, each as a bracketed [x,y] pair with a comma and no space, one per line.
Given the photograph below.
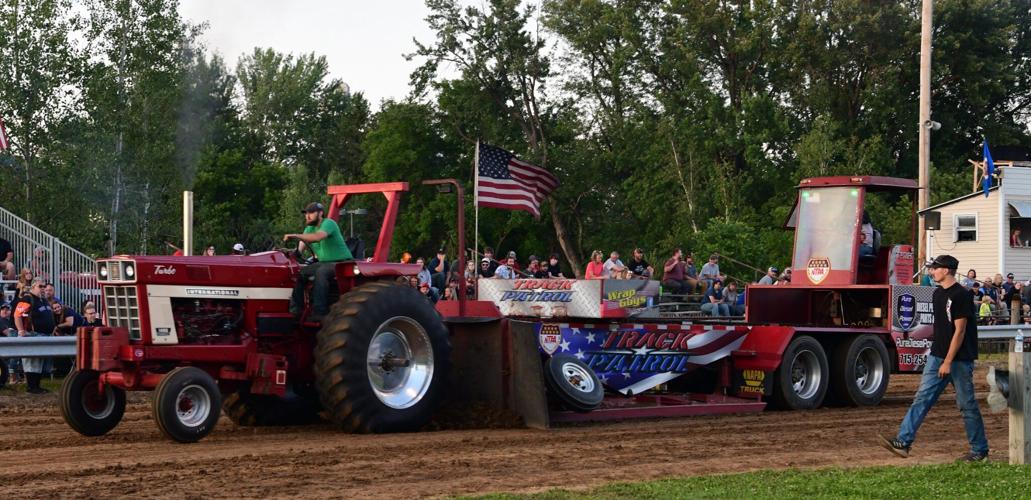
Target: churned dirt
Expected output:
[43,457]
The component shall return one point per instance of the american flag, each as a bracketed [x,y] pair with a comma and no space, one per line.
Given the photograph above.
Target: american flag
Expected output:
[3,136]
[504,181]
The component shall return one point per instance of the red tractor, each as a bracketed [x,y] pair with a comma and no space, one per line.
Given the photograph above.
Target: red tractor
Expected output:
[195,329]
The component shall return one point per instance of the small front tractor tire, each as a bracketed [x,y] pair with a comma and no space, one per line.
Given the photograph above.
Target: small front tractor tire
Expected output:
[187,404]
[87,409]
[801,380]
[382,359]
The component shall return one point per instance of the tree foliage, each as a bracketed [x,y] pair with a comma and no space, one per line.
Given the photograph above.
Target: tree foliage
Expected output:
[668,122]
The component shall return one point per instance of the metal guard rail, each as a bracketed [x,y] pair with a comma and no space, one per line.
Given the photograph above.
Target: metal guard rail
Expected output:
[37,347]
[996,332]
[46,347]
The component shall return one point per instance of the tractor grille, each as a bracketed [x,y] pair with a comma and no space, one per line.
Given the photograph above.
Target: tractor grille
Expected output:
[123,308]
[114,272]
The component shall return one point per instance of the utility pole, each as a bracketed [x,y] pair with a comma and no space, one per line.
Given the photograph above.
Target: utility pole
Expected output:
[924,157]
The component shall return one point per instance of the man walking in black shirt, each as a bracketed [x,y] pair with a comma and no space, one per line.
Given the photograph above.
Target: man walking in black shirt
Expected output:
[952,356]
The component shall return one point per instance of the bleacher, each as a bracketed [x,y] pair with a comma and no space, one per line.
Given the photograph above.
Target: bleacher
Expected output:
[72,272]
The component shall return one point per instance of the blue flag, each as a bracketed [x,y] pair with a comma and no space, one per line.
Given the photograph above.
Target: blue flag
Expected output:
[989,169]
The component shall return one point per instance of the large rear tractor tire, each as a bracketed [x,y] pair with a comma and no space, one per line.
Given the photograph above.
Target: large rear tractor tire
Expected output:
[860,371]
[259,410]
[88,409]
[381,359]
[187,404]
[800,382]
[573,383]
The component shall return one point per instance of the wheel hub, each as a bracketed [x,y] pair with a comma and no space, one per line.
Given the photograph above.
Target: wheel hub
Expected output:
[806,374]
[400,362]
[96,403]
[192,405]
[869,371]
[576,377]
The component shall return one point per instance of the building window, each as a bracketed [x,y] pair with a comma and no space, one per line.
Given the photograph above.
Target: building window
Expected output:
[966,227]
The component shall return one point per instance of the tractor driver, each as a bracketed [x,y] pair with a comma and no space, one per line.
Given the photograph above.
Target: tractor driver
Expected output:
[323,236]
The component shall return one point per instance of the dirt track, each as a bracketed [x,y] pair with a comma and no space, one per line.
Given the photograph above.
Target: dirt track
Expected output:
[44,458]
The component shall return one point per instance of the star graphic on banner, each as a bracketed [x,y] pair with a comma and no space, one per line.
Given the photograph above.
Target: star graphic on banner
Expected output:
[576,331]
[590,338]
[580,354]
[603,379]
[626,375]
[641,351]
[564,345]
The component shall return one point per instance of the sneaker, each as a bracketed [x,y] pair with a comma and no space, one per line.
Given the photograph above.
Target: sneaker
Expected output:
[895,446]
[36,390]
[973,458]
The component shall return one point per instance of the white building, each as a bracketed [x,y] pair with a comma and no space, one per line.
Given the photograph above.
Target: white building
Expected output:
[977,230]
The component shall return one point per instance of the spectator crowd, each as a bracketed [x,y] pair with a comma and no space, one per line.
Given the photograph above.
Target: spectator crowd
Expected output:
[680,277]
[36,311]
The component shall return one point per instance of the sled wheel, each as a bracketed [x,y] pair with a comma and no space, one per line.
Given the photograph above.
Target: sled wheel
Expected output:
[259,410]
[87,408]
[381,359]
[800,382]
[187,403]
[573,383]
[860,371]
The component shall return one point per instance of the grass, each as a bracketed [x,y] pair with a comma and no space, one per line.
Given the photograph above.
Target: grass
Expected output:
[996,480]
[48,384]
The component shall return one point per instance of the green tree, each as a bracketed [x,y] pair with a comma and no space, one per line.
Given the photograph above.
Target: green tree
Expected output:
[40,65]
[504,68]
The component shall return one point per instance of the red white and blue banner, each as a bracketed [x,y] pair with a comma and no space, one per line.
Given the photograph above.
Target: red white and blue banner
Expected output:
[634,358]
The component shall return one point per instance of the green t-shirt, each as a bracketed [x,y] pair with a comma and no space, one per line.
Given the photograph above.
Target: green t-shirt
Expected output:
[332,248]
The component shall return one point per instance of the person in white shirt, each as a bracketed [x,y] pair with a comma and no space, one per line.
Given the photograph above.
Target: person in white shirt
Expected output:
[711,271]
[614,267]
[771,276]
[507,270]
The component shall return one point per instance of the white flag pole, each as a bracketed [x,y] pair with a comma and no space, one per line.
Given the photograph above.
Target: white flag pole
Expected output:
[476,205]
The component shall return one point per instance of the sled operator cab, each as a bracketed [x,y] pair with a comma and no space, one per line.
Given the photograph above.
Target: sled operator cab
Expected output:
[834,282]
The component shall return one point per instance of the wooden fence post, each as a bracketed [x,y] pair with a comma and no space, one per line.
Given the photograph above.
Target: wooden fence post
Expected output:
[1020,404]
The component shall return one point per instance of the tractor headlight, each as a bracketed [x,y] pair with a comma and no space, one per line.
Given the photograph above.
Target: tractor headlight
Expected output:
[357,271]
[103,272]
[130,271]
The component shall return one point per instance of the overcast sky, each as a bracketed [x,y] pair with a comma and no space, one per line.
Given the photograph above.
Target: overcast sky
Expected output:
[362,40]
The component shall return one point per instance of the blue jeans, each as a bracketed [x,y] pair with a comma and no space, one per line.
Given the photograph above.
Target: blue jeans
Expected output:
[716,309]
[962,378]
[321,273]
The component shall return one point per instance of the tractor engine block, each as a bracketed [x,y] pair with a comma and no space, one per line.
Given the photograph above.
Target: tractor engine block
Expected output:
[207,321]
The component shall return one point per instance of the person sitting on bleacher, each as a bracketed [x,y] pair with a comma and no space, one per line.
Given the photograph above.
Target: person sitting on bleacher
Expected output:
[734,300]
[596,268]
[715,304]
[673,279]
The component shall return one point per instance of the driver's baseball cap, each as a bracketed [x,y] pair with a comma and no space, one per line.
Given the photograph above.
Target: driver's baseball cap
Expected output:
[313,207]
[946,261]
[773,269]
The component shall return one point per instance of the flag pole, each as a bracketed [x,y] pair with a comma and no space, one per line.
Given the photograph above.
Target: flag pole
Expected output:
[476,204]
